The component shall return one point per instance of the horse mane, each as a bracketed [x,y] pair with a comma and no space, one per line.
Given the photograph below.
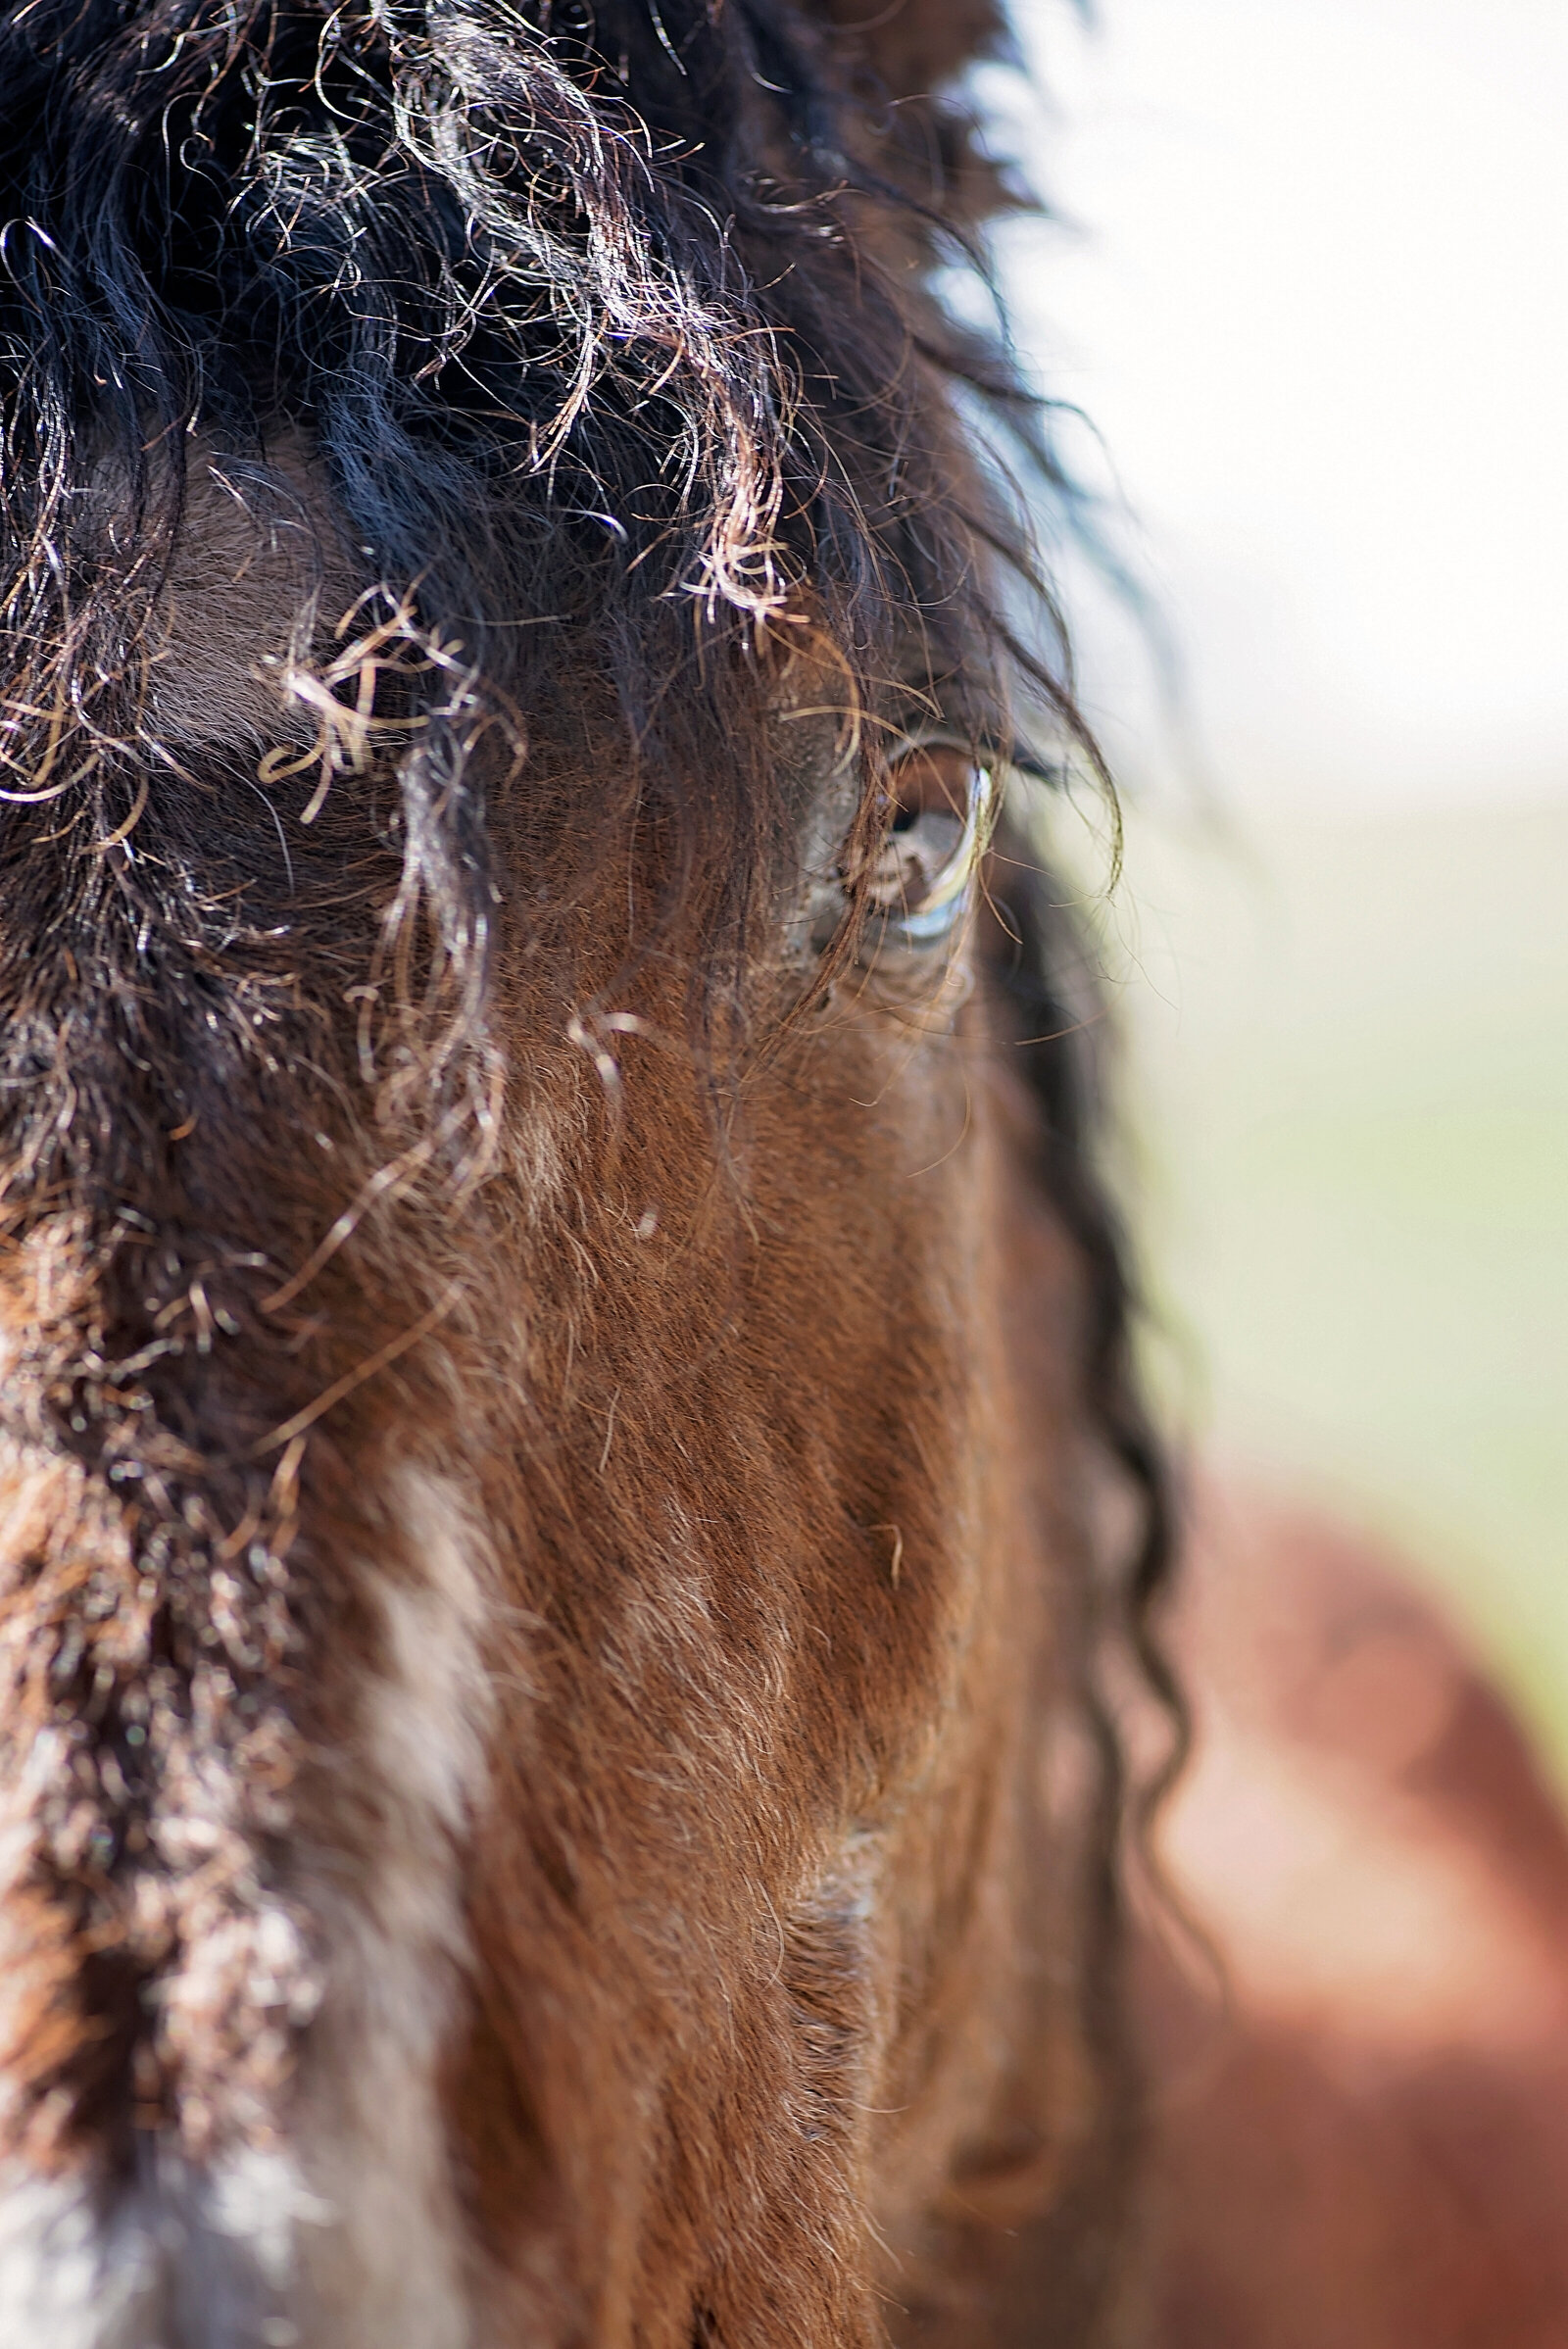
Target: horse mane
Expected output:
[619,331]
[609,326]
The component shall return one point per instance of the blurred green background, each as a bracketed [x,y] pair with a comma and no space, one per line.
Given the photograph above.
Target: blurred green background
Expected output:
[1351,1047]
[1306,278]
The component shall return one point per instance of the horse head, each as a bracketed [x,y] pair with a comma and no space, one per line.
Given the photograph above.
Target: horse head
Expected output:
[569,1471]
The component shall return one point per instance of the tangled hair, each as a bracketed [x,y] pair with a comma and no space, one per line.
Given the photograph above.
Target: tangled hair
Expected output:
[601,319]
[616,327]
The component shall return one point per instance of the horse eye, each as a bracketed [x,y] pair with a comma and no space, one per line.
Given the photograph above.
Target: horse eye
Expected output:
[932,779]
[920,881]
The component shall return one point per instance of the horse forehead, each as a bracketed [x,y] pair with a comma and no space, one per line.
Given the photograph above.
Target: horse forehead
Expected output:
[261,564]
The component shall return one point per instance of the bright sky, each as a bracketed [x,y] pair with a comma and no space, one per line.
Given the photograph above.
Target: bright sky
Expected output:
[1318,309]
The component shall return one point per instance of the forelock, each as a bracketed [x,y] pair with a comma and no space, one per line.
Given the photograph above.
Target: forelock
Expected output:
[615,332]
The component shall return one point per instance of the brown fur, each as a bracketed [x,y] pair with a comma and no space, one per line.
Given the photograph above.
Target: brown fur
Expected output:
[765,1880]
[916,49]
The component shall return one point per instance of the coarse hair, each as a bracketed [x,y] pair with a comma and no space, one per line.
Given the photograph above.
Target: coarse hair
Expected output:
[617,327]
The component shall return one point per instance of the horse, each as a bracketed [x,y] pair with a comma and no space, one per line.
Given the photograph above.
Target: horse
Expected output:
[580,1546]
[1356,2127]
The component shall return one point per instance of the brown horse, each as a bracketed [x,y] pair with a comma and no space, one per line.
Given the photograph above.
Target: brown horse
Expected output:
[1359,2134]
[577,1532]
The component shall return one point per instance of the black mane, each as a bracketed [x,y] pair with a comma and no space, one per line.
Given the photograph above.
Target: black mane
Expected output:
[613,331]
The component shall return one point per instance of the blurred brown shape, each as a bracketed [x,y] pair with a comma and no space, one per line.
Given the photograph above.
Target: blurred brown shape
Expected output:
[1361,2115]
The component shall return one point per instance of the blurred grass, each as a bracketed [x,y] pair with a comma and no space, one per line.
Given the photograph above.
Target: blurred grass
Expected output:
[1351,1047]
